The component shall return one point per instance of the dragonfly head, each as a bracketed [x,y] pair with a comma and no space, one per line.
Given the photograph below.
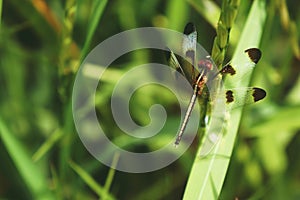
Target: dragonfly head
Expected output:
[205,64]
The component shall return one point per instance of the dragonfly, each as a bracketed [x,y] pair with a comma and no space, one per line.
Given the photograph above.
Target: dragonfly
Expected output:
[202,75]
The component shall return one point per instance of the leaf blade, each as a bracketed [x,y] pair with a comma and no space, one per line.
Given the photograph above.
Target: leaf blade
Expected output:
[208,174]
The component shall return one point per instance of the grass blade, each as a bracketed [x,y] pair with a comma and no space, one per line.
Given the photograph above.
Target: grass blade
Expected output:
[32,175]
[208,174]
[95,18]
[98,189]
[0,12]
[47,145]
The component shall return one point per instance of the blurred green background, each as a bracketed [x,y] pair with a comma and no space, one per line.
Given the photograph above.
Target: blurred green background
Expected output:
[41,45]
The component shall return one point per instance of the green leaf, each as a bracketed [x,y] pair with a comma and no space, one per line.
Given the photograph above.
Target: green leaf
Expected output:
[31,174]
[95,18]
[208,9]
[0,11]
[54,137]
[208,173]
[98,189]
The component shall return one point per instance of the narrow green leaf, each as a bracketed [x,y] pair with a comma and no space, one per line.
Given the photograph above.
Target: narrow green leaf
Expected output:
[31,174]
[280,121]
[208,173]
[95,18]
[0,12]
[47,145]
[111,174]
[98,189]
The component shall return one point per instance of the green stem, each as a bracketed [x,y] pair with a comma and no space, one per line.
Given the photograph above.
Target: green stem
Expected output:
[226,20]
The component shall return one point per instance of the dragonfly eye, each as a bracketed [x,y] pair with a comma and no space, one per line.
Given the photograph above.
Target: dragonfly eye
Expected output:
[205,64]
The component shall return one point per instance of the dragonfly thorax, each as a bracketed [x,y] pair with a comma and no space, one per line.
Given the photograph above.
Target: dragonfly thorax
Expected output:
[200,83]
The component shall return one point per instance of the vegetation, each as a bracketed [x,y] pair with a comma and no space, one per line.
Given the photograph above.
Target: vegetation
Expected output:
[42,44]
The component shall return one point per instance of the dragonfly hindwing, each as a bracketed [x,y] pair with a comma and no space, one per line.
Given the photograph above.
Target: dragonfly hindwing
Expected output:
[238,97]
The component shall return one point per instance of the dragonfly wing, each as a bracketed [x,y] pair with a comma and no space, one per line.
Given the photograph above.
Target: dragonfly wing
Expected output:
[225,101]
[173,61]
[238,97]
[239,71]
[214,130]
[189,44]
[185,65]
[183,89]
[216,118]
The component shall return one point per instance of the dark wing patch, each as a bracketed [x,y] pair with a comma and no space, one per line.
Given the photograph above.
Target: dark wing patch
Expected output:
[228,69]
[189,28]
[190,54]
[229,96]
[258,94]
[254,54]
